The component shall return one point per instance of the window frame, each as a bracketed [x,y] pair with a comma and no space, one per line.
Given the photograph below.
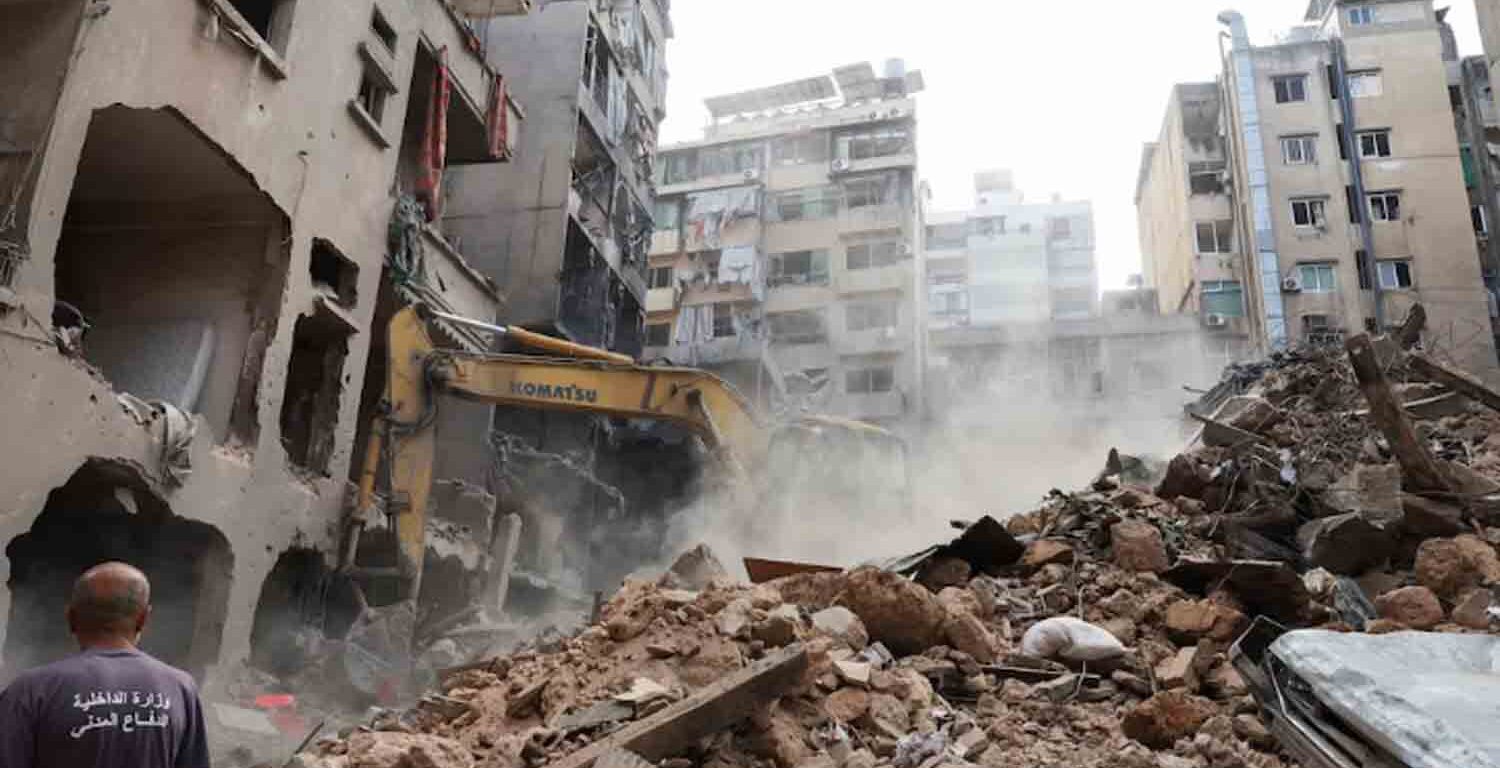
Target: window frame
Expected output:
[1223,288]
[667,335]
[1362,16]
[1281,85]
[654,272]
[1384,206]
[1377,137]
[1398,267]
[870,377]
[1216,227]
[871,315]
[777,276]
[723,313]
[1318,222]
[817,317]
[1318,269]
[1372,80]
[1308,147]
[877,254]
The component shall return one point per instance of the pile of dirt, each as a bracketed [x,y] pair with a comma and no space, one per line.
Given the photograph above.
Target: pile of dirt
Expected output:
[1091,631]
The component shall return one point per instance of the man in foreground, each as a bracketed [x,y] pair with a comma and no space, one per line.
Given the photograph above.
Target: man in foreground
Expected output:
[109,706]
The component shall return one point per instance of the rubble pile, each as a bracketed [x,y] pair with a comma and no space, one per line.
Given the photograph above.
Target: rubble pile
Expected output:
[1092,631]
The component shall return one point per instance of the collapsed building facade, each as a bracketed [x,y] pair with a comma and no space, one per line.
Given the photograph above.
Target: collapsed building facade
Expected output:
[207,210]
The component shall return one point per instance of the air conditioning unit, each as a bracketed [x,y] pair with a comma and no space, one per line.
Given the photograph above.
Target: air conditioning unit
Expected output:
[1291,284]
[1215,321]
[840,165]
[752,174]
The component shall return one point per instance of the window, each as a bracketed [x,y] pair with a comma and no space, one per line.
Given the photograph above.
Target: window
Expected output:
[373,91]
[679,167]
[990,226]
[943,305]
[1365,84]
[1361,17]
[723,321]
[668,215]
[871,315]
[1206,178]
[383,30]
[878,142]
[1317,278]
[861,193]
[806,149]
[1290,88]
[1310,212]
[1480,219]
[807,326]
[944,237]
[1395,274]
[1320,330]
[877,254]
[660,277]
[1385,206]
[870,381]
[658,334]
[1299,150]
[1374,143]
[333,272]
[271,19]
[805,204]
[799,268]
[1060,228]
[1225,298]
[1215,236]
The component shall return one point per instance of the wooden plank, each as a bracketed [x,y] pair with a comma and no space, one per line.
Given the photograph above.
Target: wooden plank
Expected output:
[1419,468]
[673,730]
[1459,381]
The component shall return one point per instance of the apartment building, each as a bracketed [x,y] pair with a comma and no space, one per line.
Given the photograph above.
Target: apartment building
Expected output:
[1349,182]
[196,198]
[1190,251]
[784,245]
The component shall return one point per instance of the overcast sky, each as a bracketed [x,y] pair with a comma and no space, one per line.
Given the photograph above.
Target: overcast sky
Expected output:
[1062,93]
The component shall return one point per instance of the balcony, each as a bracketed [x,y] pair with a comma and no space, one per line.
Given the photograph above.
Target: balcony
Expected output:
[665,242]
[718,181]
[729,349]
[897,277]
[872,218]
[844,165]
[661,300]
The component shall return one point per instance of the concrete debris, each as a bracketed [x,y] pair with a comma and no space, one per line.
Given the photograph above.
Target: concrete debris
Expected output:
[1092,630]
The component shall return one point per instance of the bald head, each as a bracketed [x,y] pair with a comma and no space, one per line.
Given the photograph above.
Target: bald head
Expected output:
[109,600]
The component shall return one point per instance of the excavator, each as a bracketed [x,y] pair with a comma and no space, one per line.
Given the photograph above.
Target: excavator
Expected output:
[765,468]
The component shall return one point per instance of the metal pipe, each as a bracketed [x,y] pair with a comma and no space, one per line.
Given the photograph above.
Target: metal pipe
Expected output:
[1357,177]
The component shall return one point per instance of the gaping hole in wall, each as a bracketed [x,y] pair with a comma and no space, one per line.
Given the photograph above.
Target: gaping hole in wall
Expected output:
[587,313]
[314,382]
[35,42]
[372,389]
[173,263]
[333,273]
[630,325]
[106,511]
[271,19]
[300,604]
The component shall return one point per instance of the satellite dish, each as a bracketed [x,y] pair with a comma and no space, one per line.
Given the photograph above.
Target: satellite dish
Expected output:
[484,9]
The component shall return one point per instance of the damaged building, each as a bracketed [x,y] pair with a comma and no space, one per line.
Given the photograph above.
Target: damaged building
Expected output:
[208,208]
[783,257]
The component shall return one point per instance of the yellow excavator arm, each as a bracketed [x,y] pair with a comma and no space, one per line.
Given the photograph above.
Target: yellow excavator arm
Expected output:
[588,380]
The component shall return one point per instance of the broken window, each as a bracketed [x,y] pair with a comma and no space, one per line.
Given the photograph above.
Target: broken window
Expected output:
[808,326]
[805,204]
[271,19]
[658,334]
[1206,178]
[1299,150]
[1215,236]
[1310,212]
[1290,88]
[660,277]
[882,253]
[383,30]
[1385,206]
[799,268]
[1318,278]
[801,149]
[1374,144]
[1395,274]
[872,315]
[314,382]
[333,273]
[1366,84]
[870,381]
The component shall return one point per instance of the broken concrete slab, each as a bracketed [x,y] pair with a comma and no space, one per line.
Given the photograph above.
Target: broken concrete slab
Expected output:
[1370,489]
[1347,544]
[718,706]
[1267,587]
[695,569]
[1425,517]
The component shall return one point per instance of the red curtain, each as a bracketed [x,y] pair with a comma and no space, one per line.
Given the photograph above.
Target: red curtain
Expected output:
[498,122]
[435,142]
